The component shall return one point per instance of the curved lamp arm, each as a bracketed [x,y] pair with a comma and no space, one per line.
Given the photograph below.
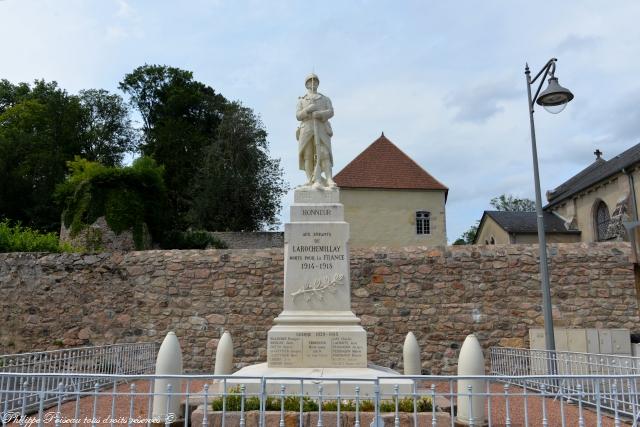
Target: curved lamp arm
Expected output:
[548,69]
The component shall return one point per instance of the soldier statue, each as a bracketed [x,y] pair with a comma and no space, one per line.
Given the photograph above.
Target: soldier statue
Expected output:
[314,135]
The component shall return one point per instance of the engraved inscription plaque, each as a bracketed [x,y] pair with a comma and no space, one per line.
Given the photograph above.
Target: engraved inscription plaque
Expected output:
[317,266]
[285,350]
[318,349]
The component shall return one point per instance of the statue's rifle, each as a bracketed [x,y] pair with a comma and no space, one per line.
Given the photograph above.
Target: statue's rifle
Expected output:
[316,139]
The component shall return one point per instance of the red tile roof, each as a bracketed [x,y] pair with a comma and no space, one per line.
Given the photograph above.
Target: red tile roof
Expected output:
[383,165]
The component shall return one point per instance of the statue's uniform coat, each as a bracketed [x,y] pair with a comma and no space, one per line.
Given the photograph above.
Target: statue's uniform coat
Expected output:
[304,134]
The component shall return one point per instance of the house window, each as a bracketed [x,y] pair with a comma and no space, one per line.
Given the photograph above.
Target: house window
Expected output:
[423,222]
[602,221]
[493,241]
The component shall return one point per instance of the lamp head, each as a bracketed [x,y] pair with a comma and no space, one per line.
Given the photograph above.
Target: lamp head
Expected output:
[555,97]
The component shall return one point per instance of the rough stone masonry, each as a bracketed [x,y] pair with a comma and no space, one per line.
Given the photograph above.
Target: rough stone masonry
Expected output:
[441,294]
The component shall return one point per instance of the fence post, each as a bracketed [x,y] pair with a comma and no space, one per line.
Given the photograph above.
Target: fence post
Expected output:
[224,355]
[471,362]
[411,355]
[169,362]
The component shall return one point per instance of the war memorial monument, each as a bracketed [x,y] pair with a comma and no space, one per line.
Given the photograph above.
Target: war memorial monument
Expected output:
[317,334]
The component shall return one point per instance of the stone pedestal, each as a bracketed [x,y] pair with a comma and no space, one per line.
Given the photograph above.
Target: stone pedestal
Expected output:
[317,336]
[317,328]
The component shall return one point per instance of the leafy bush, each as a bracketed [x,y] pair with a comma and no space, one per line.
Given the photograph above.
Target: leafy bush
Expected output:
[367,406]
[423,404]
[233,403]
[292,403]
[24,239]
[128,197]
[198,239]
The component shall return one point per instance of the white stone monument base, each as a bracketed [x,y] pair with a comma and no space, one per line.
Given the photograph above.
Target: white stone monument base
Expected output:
[318,376]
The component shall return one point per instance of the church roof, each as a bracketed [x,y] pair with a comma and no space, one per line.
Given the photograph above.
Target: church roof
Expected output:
[598,171]
[383,165]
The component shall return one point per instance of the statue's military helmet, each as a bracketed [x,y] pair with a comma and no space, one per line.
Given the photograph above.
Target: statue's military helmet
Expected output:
[311,76]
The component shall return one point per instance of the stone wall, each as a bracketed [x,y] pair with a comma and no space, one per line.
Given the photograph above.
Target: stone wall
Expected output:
[251,240]
[100,237]
[441,294]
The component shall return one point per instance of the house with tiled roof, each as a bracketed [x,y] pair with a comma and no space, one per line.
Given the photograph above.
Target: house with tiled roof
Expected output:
[591,206]
[390,200]
[499,227]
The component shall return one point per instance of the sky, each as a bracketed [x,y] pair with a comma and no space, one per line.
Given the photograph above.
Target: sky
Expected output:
[443,80]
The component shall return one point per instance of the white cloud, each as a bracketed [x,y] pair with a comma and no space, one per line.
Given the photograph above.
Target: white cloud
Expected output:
[575,42]
[481,102]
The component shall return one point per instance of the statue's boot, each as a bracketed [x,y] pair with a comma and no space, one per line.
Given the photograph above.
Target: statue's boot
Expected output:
[329,181]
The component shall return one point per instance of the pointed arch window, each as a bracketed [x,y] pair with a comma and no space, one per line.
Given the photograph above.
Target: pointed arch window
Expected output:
[602,220]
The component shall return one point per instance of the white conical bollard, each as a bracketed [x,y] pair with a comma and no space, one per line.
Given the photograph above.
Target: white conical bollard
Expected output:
[411,355]
[471,409]
[224,355]
[169,362]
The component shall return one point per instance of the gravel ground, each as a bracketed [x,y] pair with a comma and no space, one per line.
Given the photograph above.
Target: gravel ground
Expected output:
[139,410]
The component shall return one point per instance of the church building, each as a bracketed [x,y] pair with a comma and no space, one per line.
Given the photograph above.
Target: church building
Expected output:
[592,206]
[389,200]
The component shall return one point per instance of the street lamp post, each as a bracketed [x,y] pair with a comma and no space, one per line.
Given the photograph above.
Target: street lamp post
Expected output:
[554,98]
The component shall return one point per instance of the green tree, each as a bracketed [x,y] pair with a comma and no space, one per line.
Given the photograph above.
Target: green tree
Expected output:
[509,203]
[41,128]
[180,118]
[468,236]
[240,186]
[107,130]
[217,170]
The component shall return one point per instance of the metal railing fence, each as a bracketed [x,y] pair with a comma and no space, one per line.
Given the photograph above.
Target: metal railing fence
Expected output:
[208,400]
[118,359]
[610,374]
